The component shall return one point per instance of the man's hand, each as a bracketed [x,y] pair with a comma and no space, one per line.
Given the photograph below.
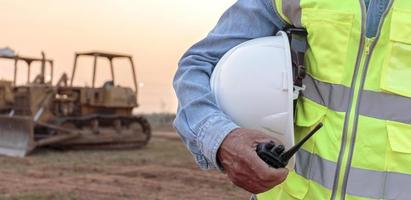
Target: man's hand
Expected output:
[244,168]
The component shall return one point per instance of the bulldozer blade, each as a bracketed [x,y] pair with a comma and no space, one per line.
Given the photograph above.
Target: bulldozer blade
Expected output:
[16,136]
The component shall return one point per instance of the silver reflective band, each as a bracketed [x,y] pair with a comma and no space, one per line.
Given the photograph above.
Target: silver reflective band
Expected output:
[386,106]
[379,185]
[377,105]
[292,9]
[361,182]
[315,168]
[333,96]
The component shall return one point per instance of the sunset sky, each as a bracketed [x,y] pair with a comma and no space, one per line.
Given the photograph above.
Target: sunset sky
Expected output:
[155,32]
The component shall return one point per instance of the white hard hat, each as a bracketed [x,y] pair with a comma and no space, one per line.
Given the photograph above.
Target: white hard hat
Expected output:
[253,84]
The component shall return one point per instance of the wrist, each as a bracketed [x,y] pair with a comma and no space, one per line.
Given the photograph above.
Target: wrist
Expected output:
[211,135]
[229,136]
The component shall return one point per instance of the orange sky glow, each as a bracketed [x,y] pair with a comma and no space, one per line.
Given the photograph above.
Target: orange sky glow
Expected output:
[155,32]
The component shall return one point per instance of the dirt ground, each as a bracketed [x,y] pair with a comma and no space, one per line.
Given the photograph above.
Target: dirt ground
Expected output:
[163,170]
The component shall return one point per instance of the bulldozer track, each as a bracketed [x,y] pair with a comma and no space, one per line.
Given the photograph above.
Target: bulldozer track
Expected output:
[89,137]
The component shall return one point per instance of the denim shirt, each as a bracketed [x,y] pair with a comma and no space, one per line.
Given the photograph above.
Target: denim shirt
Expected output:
[200,123]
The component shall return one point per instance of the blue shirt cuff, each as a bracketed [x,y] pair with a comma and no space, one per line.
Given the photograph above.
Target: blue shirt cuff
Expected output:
[211,134]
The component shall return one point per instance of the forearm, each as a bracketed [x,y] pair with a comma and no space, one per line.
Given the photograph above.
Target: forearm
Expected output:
[199,121]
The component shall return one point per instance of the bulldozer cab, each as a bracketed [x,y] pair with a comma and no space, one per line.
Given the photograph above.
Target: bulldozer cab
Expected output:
[40,78]
[9,87]
[109,95]
[14,96]
[110,57]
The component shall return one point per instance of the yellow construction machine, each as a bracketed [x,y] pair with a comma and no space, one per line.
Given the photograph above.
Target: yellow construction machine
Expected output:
[63,115]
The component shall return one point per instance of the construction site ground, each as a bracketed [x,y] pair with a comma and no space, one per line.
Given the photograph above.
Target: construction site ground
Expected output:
[163,170]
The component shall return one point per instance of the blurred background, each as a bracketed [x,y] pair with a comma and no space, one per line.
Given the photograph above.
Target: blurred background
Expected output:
[155,32]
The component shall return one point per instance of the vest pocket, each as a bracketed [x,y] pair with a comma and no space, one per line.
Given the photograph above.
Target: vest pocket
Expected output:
[309,113]
[328,38]
[399,151]
[399,137]
[296,186]
[395,77]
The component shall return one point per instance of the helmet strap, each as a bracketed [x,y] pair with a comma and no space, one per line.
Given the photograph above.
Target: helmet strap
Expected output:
[298,45]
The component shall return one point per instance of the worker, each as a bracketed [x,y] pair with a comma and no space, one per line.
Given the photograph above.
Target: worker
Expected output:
[358,63]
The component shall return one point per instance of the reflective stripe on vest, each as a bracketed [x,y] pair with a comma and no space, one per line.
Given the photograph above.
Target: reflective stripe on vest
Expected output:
[362,182]
[336,98]
[360,89]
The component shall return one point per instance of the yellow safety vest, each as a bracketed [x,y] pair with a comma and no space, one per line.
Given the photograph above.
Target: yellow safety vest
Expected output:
[360,88]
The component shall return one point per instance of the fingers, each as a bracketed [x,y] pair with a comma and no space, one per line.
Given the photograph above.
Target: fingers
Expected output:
[268,175]
[258,185]
[254,175]
[244,167]
[263,168]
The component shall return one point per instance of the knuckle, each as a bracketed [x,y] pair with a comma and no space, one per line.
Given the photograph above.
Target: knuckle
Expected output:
[281,174]
[266,172]
[254,188]
[236,181]
[274,176]
[262,176]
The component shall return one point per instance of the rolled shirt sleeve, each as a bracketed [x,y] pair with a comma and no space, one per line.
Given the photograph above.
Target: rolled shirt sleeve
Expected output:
[200,123]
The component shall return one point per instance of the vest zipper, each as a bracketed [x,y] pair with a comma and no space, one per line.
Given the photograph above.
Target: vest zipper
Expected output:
[370,46]
[350,135]
[342,154]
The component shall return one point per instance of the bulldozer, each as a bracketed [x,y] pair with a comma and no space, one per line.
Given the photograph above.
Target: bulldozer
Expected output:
[68,116]
[14,124]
